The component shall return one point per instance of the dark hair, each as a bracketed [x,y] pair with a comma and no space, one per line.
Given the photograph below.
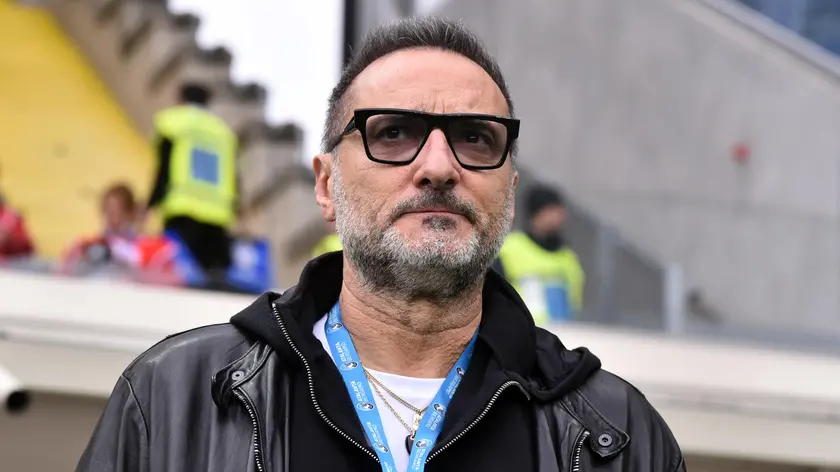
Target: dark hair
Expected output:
[409,33]
[541,196]
[124,194]
[195,93]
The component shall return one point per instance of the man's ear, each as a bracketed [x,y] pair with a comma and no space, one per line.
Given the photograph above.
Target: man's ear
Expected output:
[514,183]
[322,165]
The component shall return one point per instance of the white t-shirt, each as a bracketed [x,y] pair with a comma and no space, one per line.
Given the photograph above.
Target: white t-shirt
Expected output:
[418,392]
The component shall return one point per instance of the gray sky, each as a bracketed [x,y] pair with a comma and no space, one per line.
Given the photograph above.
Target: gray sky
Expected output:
[292,48]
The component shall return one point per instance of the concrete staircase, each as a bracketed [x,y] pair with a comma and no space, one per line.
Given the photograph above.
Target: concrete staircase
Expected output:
[144,52]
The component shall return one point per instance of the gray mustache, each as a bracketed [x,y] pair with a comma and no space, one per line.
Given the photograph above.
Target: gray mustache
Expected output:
[447,200]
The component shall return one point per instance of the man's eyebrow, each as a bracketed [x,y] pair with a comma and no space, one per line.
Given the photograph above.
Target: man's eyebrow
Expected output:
[422,109]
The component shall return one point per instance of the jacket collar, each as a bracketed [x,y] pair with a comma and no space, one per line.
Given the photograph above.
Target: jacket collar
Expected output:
[506,325]
[510,347]
[285,323]
[533,356]
[238,373]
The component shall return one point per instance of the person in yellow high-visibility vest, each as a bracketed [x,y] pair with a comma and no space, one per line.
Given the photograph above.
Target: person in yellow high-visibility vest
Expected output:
[195,187]
[329,243]
[538,262]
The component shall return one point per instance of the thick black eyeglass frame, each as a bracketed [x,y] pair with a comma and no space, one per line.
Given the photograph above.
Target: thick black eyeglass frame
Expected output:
[433,121]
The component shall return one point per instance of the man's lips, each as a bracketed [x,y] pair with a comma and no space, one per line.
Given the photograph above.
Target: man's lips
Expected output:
[434,210]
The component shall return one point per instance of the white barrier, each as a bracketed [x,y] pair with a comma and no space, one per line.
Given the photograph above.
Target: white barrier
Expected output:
[76,336]
[725,400]
[721,400]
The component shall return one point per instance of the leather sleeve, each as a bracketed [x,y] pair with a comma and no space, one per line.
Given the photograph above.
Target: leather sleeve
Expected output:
[608,402]
[658,444]
[120,442]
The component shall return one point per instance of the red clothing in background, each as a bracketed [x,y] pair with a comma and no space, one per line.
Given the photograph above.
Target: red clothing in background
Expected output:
[14,239]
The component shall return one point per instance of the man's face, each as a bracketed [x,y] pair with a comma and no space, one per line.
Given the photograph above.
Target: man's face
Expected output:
[114,213]
[548,220]
[431,228]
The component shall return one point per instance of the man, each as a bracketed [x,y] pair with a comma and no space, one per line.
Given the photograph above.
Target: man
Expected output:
[195,187]
[538,262]
[118,208]
[146,258]
[116,242]
[418,175]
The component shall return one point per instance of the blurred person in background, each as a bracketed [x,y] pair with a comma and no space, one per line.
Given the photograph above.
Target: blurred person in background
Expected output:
[329,243]
[403,350]
[119,212]
[15,241]
[195,187]
[119,244]
[116,240]
[539,262]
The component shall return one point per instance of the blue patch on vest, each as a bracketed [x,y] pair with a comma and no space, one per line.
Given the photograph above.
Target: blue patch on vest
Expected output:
[557,302]
[204,166]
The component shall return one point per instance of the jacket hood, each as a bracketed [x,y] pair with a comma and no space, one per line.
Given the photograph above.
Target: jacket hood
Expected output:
[521,351]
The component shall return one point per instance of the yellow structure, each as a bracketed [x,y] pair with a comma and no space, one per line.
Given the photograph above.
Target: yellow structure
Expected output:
[64,136]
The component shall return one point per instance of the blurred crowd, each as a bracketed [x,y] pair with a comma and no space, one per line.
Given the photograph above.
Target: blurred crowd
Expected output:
[193,192]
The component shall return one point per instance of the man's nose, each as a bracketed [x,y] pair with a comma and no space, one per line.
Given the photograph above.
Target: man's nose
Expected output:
[437,166]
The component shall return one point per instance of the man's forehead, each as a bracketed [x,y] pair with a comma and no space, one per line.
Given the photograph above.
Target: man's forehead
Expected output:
[427,80]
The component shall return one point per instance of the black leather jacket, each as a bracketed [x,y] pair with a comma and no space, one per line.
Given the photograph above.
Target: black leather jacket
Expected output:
[260,394]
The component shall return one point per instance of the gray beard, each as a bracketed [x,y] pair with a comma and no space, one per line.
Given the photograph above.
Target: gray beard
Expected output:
[386,263]
[421,276]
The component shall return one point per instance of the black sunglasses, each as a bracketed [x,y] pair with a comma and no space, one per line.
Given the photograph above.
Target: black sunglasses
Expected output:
[395,136]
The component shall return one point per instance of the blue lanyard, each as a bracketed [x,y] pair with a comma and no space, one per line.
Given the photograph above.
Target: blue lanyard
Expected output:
[347,360]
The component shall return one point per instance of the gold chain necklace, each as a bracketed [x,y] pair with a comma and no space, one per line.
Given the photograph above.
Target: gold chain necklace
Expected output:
[390,392]
[418,412]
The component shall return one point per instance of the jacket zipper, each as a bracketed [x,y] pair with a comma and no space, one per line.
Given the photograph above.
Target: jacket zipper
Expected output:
[578,450]
[250,407]
[356,443]
[312,387]
[482,415]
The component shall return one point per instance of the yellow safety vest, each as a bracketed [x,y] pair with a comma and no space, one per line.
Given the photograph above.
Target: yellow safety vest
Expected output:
[329,243]
[549,282]
[202,169]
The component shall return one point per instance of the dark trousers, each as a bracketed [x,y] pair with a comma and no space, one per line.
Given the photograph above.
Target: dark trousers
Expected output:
[209,244]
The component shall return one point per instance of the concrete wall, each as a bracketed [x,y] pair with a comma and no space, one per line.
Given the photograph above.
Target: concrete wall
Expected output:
[634,107]
[51,435]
